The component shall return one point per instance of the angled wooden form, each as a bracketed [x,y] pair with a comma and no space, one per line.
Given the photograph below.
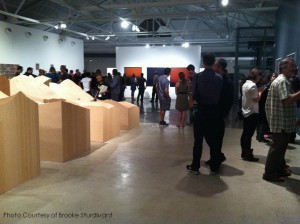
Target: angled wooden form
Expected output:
[19,141]
[64,131]
[129,114]
[4,85]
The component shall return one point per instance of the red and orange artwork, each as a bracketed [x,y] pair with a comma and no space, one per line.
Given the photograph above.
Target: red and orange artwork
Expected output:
[133,70]
[174,77]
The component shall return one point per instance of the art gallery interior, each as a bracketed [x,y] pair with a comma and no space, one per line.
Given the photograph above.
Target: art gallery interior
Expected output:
[66,158]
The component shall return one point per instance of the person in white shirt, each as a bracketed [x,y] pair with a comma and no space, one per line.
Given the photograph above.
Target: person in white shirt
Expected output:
[250,99]
[86,83]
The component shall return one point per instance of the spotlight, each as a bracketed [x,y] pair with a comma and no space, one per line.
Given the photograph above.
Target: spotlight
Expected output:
[224,2]
[87,37]
[124,24]
[107,38]
[164,45]
[63,26]
[56,27]
[135,28]
[93,38]
[186,45]
[147,46]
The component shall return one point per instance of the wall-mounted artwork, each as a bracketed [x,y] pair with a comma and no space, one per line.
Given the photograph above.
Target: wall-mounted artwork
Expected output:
[130,71]
[150,74]
[133,70]
[174,77]
[8,70]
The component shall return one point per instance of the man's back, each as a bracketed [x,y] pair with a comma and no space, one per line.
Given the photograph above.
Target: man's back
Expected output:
[207,87]
[163,84]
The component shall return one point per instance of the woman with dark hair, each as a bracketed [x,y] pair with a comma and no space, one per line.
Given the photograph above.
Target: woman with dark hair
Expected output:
[182,100]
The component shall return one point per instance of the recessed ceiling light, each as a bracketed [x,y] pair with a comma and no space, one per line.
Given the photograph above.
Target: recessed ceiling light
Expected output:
[224,2]
[186,45]
[63,26]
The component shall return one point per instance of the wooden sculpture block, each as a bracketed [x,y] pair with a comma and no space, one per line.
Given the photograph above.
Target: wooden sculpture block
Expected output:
[64,131]
[129,114]
[104,117]
[104,120]
[4,85]
[19,141]
[30,87]
[3,95]
[43,80]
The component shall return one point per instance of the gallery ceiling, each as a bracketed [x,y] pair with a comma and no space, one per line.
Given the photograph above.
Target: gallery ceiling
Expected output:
[153,22]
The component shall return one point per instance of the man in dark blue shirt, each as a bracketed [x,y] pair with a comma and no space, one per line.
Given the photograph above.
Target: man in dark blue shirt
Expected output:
[207,89]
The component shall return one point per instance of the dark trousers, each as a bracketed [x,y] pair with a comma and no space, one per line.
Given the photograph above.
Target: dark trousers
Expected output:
[249,127]
[275,162]
[141,94]
[154,92]
[209,128]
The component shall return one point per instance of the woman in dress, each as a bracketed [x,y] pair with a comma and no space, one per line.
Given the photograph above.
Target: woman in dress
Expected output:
[182,101]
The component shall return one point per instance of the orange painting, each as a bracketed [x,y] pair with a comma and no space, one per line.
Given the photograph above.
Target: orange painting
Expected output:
[174,77]
[133,70]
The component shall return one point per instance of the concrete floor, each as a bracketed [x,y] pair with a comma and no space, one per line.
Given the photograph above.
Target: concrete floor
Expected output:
[140,177]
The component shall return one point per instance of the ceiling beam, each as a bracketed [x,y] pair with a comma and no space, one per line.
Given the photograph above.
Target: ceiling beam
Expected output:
[20,6]
[155,15]
[165,3]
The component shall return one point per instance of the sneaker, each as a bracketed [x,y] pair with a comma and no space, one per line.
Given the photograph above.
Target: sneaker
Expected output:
[194,172]
[273,178]
[163,123]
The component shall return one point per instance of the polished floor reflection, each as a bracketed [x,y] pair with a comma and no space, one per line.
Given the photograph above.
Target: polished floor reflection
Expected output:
[140,177]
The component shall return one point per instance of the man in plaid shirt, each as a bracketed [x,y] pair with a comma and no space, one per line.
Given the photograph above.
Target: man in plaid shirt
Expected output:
[281,115]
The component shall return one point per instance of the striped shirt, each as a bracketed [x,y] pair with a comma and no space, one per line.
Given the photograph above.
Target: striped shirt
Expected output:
[280,117]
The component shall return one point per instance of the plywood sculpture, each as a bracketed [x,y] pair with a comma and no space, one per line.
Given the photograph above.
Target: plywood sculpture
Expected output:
[43,80]
[4,85]
[129,114]
[104,120]
[3,95]
[64,127]
[104,117]
[19,141]
[64,131]
[30,87]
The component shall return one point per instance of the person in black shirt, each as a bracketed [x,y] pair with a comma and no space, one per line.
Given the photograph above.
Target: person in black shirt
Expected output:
[141,86]
[207,90]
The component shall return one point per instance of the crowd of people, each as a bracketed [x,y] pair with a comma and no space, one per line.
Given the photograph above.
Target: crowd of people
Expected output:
[268,105]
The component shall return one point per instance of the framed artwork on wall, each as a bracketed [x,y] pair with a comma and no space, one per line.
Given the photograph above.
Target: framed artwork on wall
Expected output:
[150,74]
[133,70]
[130,71]
[174,77]
[277,62]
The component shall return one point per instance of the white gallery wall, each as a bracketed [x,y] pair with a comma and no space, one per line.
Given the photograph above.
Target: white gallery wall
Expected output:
[169,56]
[28,47]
